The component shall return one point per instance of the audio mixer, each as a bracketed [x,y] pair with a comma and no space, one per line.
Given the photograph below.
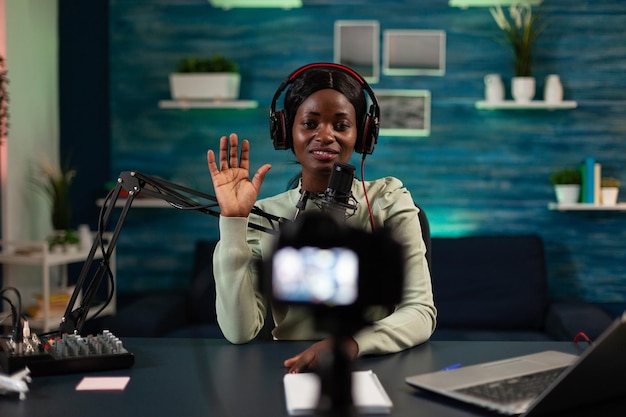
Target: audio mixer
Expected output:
[67,353]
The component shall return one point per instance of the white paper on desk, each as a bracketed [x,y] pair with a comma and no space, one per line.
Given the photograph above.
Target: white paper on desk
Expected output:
[302,393]
[103,383]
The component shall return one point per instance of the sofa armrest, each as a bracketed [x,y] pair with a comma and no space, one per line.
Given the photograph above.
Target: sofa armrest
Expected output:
[151,315]
[565,319]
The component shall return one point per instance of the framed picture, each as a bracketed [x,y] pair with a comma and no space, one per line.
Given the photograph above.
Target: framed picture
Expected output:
[404,112]
[414,52]
[357,45]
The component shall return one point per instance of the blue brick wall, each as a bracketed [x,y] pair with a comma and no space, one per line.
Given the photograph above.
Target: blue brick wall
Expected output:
[478,172]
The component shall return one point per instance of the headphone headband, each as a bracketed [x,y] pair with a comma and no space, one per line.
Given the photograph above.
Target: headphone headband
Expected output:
[364,144]
[328,65]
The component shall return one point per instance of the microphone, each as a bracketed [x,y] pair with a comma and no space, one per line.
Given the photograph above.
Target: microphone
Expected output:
[337,199]
[301,204]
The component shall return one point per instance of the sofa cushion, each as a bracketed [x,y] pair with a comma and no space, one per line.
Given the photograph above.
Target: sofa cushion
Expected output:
[150,315]
[490,282]
[201,296]
[197,331]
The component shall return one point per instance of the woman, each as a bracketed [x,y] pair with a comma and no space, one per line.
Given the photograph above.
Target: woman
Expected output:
[325,116]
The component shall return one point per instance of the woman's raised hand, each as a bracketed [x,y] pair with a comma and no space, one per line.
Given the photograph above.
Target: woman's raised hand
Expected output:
[235,192]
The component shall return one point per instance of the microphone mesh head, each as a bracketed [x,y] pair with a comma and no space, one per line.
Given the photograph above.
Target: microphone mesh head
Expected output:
[340,182]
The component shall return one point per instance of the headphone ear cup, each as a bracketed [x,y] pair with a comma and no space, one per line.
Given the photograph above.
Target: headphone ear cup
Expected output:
[372,134]
[365,144]
[278,131]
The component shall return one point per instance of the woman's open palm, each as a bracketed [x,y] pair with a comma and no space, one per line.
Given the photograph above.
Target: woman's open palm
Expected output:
[235,192]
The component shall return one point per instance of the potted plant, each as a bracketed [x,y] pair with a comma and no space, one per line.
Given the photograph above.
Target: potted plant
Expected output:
[197,78]
[567,184]
[609,188]
[64,240]
[56,186]
[521,29]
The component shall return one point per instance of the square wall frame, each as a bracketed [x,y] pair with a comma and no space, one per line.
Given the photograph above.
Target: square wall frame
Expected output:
[414,52]
[404,113]
[357,45]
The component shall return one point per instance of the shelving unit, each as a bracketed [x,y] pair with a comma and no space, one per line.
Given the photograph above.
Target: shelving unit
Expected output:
[208,104]
[532,105]
[36,253]
[586,207]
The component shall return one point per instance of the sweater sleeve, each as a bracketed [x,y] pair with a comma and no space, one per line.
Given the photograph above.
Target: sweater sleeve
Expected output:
[413,319]
[239,303]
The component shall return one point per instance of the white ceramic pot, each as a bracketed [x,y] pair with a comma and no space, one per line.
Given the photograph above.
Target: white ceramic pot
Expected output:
[202,86]
[494,88]
[567,193]
[72,248]
[553,89]
[608,196]
[523,89]
[84,234]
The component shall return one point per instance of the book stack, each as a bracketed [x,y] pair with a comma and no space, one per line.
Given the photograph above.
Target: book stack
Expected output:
[591,172]
[58,303]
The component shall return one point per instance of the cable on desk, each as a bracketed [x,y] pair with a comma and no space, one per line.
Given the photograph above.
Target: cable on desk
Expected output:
[13,314]
[16,312]
[583,336]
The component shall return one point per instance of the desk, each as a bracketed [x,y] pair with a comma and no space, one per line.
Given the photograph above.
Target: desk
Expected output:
[194,377]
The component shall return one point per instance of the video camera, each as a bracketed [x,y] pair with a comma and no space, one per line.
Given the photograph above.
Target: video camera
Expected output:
[323,263]
[337,271]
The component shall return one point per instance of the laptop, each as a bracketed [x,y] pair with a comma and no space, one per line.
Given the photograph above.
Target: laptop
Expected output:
[561,381]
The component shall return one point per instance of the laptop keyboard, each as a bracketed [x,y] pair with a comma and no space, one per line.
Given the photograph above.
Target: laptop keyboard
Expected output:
[514,389]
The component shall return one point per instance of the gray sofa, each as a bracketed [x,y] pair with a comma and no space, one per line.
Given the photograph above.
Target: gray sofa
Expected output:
[485,288]
[496,288]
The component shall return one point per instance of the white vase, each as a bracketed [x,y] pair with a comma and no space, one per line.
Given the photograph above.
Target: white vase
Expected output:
[494,88]
[84,234]
[57,249]
[608,196]
[199,86]
[523,89]
[553,89]
[567,193]
[72,248]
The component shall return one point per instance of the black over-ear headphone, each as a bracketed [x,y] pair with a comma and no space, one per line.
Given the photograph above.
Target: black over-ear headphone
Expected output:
[364,144]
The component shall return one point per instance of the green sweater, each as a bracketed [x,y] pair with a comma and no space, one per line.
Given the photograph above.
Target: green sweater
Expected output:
[241,307]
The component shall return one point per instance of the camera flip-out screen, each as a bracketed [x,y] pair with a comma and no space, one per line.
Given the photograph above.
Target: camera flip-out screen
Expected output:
[322,262]
[314,275]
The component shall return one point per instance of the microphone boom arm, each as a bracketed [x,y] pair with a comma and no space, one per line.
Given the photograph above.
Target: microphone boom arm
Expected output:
[134,183]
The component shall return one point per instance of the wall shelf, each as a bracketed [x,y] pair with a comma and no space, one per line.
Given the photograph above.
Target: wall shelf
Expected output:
[139,202]
[464,4]
[586,207]
[536,104]
[208,104]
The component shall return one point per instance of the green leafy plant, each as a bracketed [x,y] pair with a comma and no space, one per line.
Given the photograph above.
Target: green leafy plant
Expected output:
[55,184]
[67,237]
[609,182]
[566,176]
[521,29]
[217,63]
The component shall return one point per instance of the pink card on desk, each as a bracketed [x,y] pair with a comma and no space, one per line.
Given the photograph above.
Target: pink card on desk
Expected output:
[103,383]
